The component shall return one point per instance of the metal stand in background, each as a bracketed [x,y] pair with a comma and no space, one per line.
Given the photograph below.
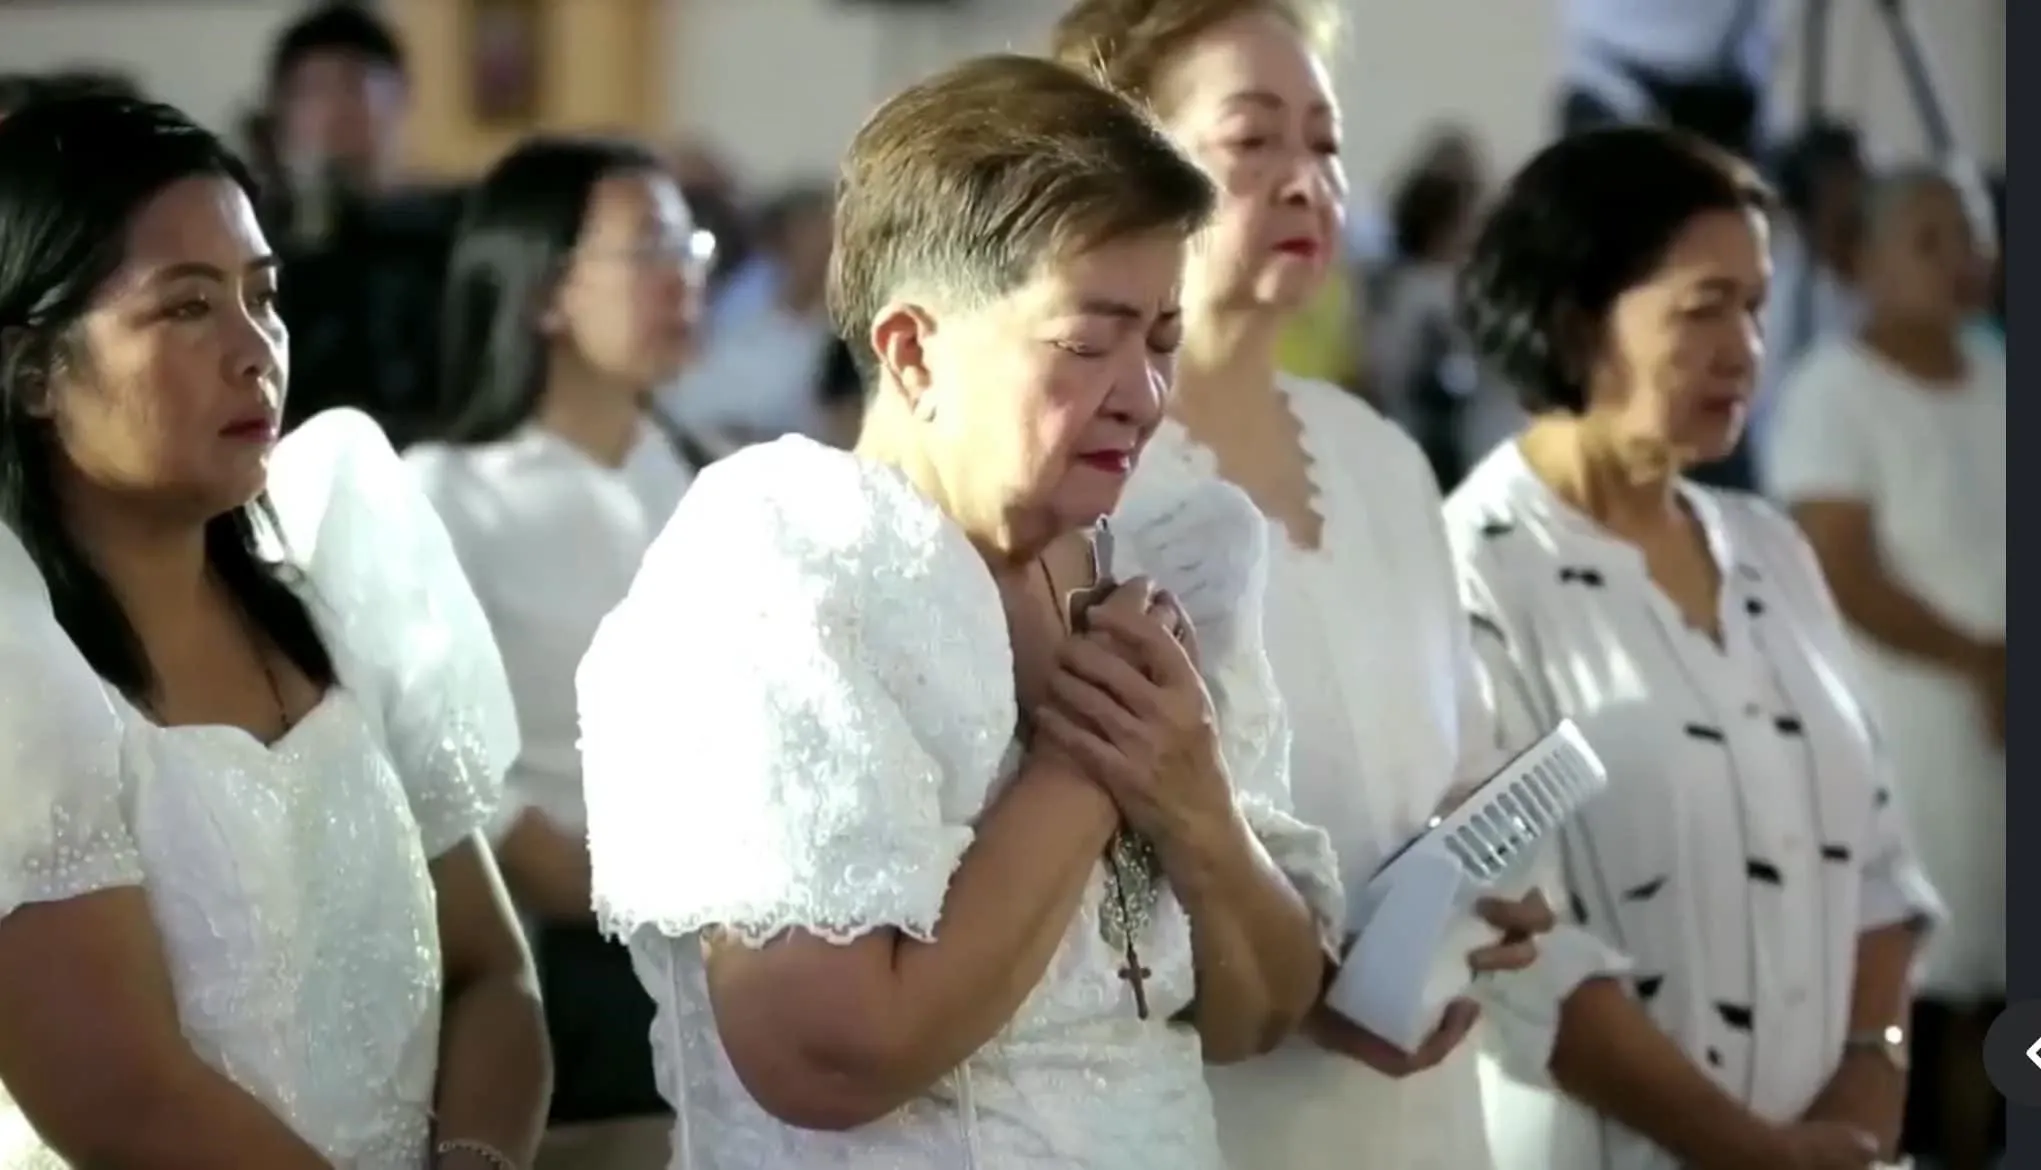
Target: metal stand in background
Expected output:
[1914,66]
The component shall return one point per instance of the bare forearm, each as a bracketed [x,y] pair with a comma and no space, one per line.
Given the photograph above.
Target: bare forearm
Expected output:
[201,1122]
[1868,1088]
[1891,615]
[496,1071]
[1612,1058]
[1253,941]
[546,869]
[1882,996]
[1007,910]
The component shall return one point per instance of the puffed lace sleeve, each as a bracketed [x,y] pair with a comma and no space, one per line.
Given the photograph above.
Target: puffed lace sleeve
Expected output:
[408,633]
[1522,1008]
[772,720]
[1208,546]
[65,832]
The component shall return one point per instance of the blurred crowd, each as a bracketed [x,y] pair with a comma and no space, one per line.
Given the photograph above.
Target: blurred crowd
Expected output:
[367,249]
[453,314]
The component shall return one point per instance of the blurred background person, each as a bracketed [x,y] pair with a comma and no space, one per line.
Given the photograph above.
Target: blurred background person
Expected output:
[1747,859]
[574,291]
[1702,66]
[768,334]
[717,200]
[1424,370]
[1325,339]
[1365,635]
[366,248]
[1815,245]
[1890,447]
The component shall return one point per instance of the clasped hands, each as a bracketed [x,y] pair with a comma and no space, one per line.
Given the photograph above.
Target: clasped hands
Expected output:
[1126,704]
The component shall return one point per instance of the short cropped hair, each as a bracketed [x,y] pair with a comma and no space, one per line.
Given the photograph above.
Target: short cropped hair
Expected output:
[967,184]
[1131,41]
[1587,219]
[339,28]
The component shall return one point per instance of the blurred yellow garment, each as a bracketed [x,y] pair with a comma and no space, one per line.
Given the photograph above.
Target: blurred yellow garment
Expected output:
[1323,341]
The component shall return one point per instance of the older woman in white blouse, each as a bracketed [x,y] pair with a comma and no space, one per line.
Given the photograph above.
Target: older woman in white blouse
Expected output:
[1747,860]
[1365,637]
[925,864]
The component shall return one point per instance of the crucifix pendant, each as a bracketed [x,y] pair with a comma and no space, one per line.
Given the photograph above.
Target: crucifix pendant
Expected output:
[1137,980]
[1077,601]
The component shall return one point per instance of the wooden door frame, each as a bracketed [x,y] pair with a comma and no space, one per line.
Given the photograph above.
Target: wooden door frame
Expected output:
[604,68]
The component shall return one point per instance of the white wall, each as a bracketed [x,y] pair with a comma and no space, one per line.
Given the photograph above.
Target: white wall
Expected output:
[204,56]
[781,84]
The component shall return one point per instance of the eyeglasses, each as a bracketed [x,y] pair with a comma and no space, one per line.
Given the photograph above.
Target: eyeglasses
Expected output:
[693,253]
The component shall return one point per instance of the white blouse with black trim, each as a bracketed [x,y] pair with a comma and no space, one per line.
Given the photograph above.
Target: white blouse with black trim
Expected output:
[1748,836]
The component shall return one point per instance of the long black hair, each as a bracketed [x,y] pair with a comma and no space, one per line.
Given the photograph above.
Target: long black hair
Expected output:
[520,224]
[73,174]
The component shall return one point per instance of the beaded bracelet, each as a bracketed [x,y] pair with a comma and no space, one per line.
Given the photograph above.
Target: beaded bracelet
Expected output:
[496,1158]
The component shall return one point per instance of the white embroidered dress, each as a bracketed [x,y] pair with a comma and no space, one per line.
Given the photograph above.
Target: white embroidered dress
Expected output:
[794,721]
[288,882]
[1748,835]
[1370,650]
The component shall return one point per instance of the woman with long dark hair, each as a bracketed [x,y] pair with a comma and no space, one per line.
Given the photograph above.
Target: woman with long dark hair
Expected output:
[246,736]
[574,288]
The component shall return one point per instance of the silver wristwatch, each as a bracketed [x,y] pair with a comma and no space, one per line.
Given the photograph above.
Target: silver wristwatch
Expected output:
[1888,1043]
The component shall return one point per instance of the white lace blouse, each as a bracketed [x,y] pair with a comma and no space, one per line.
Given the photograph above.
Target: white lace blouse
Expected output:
[794,721]
[1371,650]
[288,882]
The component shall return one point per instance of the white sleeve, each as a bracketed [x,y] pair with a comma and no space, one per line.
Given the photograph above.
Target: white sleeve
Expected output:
[1815,446]
[384,578]
[746,762]
[1523,1007]
[499,547]
[65,833]
[1209,547]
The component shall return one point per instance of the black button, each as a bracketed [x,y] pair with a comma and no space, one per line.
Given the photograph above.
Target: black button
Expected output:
[2012,1053]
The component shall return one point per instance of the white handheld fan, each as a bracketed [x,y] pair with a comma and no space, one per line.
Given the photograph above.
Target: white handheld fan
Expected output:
[1414,921]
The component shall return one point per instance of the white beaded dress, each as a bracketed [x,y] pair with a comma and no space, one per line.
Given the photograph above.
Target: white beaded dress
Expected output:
[794,721]
[287,881]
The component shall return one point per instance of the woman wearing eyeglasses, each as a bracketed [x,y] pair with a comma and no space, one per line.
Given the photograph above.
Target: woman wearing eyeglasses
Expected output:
[574,291]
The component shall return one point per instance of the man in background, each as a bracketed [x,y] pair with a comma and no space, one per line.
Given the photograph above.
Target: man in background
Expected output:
[768,336]
[366,251]
[1699,65]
